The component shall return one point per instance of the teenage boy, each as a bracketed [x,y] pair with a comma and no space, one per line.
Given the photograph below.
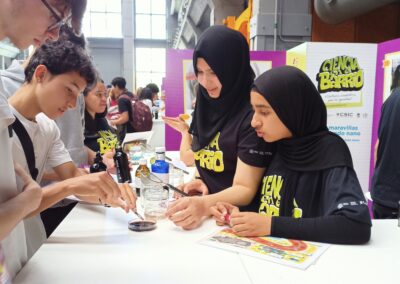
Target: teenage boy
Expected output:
[71,123]
[26,22]
[43,23]
[54,77]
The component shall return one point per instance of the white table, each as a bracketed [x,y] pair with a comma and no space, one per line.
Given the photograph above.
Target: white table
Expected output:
[94,245]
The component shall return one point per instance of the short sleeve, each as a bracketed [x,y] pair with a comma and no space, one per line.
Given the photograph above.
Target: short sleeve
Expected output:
[58,154]
[253,150]
[124,105]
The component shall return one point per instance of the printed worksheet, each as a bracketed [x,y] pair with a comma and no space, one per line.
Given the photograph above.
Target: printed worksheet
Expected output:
[294,253]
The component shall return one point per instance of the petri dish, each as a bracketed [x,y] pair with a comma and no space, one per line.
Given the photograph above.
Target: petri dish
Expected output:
[142,225]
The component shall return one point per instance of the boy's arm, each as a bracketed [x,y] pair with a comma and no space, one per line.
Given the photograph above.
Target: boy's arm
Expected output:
[15,209]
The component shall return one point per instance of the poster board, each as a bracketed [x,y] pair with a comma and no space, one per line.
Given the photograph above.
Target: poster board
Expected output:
[292,253]
[344,74]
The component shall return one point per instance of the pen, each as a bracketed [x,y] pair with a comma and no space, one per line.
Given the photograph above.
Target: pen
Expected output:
[175,167]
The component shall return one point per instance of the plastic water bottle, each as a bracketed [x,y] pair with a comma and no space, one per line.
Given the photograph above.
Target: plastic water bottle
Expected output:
[160,167]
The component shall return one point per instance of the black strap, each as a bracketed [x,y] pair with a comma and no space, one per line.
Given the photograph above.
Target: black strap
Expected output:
[27,146]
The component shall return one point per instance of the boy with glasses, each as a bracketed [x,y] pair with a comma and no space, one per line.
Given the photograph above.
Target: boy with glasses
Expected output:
[24,22]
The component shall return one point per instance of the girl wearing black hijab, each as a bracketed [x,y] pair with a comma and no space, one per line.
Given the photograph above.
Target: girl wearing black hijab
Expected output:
[227,151]
[310,190]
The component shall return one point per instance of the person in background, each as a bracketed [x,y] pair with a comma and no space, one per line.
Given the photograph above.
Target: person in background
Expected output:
[138,91]
[97,130]
[395,79]
[385,188]
[122,121]
[226,149]
[310,191]
[146,97]
[43,23]
[154,91]
[111,100]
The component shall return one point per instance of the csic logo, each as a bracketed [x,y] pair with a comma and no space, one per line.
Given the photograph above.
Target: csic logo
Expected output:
[341,73]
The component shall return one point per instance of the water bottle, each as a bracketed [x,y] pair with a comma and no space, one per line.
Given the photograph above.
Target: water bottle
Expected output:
[98,165]
[160,167]
[122,165]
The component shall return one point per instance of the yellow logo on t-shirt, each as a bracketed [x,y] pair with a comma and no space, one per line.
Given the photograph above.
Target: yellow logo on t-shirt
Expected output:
[271,197]
[107,141]
[211,157]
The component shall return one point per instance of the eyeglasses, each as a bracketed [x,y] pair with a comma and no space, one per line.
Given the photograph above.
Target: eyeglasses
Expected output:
[59,21]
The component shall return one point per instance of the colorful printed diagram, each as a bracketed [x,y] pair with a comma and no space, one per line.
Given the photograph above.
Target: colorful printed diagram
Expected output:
[294,253]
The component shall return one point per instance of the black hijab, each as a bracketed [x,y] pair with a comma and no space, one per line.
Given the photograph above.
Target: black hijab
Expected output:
[227,53]
[296,101]
[299,106]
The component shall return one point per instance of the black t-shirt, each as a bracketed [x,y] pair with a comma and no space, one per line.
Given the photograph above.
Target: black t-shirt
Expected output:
[386,180]
[103,132]
[125,105]
[216,163]
[325,202]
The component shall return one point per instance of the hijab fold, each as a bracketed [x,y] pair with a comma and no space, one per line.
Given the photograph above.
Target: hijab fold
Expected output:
[227,53]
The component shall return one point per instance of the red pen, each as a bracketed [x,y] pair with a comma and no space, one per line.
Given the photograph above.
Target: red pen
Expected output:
[227,218]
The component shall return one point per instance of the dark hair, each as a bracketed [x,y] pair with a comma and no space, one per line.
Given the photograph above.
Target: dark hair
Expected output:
[146,93]
[119,82]
[90,123]
[153,87]
[90,88]
[66,33]
[76,8]
[62,56]
[395,79]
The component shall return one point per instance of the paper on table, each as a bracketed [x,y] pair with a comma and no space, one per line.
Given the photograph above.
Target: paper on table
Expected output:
[138,136]
[293,253]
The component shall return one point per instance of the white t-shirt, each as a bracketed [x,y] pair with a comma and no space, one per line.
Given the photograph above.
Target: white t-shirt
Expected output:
[50,152]
[14,245]
[71,124]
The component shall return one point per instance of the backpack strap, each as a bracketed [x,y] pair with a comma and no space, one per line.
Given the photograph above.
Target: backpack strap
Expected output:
[27,146]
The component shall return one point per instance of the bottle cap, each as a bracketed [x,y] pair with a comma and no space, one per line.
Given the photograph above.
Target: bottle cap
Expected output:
[143,161]
[160,149]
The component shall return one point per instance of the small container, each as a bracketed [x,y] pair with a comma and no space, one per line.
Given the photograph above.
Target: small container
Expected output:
[135,153]
[176,179]
[141,171]
[98,165]
[141,225]
[155,198]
